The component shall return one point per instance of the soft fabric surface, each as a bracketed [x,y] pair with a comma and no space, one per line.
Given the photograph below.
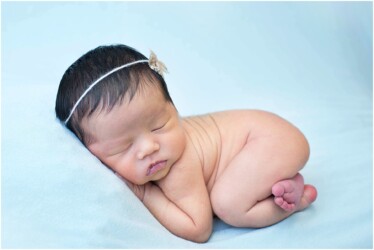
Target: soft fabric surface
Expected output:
[311,63]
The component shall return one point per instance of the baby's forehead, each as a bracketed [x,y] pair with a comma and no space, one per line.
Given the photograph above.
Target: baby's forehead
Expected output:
[145,106]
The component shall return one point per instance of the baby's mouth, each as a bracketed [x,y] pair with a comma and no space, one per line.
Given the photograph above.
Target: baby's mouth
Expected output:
[155,167]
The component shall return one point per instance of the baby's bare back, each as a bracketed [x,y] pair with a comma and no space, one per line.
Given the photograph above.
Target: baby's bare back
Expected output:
[219,137]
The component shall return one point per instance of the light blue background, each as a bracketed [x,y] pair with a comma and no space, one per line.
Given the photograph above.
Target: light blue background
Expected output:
[310,62]
[220,49]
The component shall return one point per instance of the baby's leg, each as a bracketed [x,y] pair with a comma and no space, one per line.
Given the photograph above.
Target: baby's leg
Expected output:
[242,193]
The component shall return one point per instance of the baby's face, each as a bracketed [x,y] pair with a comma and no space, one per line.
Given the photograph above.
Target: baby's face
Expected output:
[140,140]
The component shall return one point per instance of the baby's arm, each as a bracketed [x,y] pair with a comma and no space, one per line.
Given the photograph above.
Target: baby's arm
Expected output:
[189,216]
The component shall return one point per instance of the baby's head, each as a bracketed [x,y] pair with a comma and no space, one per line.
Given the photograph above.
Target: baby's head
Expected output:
[82,94]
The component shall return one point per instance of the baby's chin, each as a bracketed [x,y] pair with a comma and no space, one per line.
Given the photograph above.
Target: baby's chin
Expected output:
[162,174]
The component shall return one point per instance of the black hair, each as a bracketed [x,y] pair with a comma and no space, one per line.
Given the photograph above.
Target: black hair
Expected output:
[108,92]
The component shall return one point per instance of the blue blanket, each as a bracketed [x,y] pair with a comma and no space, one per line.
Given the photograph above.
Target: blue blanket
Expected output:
[311,63]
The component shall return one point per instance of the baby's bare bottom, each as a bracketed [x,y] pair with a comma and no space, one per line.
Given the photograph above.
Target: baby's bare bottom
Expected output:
[262,185]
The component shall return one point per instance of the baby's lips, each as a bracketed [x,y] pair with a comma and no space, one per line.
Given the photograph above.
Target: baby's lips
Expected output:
[155,167]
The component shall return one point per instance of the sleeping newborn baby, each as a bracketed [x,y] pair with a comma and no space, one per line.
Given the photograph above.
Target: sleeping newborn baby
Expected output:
[240,165]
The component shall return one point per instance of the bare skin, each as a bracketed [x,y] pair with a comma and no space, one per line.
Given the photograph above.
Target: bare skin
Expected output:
[242,166]
[262,151]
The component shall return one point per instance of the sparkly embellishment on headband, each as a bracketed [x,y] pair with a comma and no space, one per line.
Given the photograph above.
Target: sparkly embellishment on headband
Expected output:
[153,63]
[156,64]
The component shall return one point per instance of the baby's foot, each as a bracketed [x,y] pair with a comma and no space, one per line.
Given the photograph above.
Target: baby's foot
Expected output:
[292,195]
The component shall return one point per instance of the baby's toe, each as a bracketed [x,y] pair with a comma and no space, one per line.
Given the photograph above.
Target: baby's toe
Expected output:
[279,201]
[277,190]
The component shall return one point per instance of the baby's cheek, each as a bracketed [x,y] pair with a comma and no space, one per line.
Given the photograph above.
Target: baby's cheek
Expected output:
[119,164]
[180,141]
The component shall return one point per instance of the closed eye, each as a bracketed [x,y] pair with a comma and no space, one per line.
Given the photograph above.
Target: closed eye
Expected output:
[159,128]
[121,151]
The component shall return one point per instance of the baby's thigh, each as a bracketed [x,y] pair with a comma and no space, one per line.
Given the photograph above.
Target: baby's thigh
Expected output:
[262,162]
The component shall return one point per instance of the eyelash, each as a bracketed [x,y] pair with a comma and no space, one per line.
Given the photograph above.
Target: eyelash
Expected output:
[128,147]
[123,150]
[158,128]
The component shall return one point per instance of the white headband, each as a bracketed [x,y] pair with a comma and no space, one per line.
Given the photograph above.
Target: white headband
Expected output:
[153,63]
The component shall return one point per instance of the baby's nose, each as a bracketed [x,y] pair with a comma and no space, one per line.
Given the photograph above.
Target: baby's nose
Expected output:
[147,149]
